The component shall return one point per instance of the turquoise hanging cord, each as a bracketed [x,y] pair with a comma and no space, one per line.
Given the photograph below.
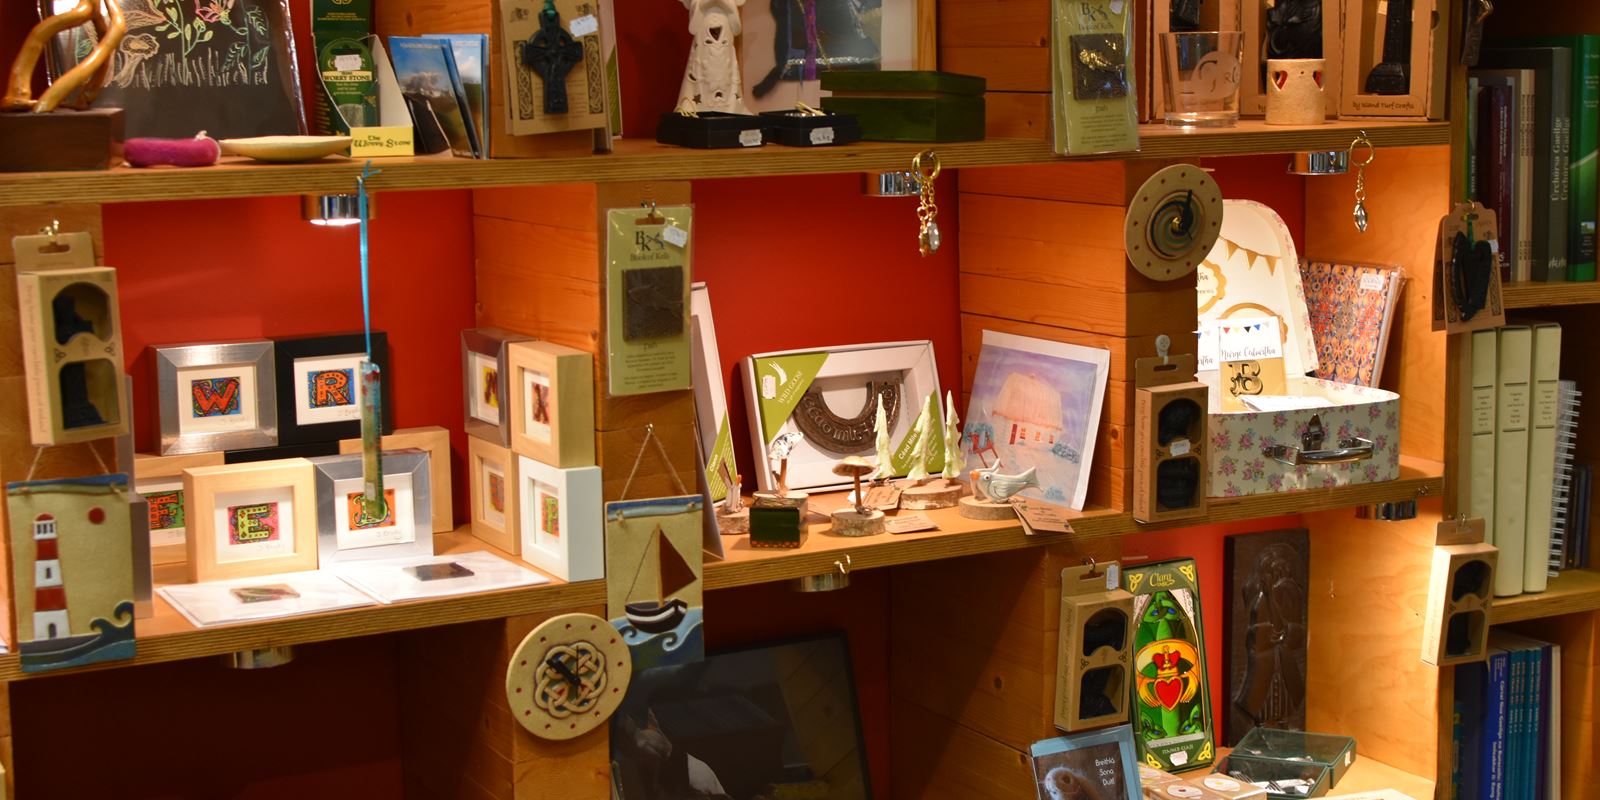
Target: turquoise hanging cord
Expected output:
[366,220]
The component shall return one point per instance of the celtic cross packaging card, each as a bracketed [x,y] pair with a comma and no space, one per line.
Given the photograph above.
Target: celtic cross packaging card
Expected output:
[251,519]
[1171,703]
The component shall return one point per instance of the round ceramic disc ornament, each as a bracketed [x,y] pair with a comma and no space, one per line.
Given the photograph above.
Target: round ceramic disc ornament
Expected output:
[1173,222]
[568,676]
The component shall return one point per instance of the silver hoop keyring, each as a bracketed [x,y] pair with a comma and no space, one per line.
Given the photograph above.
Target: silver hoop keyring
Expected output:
[1372,150]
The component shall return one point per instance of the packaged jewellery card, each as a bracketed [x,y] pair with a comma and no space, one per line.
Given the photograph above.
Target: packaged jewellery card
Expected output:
[647,299]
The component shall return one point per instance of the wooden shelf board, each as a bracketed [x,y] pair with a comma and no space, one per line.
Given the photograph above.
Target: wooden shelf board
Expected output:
[1571,592]
[648,161]
[169,637]
[1544,295]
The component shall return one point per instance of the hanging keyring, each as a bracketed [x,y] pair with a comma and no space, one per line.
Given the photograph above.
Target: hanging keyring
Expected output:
[1360,211]
[927,211]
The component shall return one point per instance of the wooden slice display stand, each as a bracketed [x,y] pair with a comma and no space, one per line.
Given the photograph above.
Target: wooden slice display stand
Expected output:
[973,508]
[936,493]
[849,522]
[734,524]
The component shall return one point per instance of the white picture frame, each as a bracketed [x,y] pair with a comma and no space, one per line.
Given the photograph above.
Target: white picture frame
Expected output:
[562,527]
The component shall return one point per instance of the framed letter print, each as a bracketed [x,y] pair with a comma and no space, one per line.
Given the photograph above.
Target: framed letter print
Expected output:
[346,533]
[319,386]
[434,441]
[159,479]
[552,403]
[562,530]
[488,398]
[251,519]
[216,397]
[492,473]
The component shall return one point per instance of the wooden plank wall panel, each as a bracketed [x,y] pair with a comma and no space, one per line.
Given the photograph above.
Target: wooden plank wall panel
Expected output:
[1007,42]
[935,758]
[541,272]
[1042,255]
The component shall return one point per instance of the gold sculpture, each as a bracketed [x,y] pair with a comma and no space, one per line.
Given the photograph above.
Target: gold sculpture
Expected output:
[86,78]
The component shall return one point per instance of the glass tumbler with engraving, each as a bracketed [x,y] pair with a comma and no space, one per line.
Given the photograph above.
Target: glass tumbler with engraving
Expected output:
[1201,71]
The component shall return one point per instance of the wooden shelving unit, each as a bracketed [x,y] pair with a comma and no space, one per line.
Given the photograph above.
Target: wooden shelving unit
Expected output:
[1545,295]
[648,161]
[169,637]
[1571,592]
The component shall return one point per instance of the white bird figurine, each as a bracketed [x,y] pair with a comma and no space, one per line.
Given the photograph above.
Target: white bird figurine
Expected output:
[779,451]
[1000,488]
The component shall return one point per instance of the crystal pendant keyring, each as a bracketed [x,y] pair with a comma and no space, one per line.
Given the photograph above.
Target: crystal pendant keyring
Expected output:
[926,167]
[1360,212]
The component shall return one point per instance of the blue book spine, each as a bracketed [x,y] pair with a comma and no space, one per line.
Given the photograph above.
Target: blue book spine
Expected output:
[1516,732]
[1542,711]
[1471,692]
[1492,764]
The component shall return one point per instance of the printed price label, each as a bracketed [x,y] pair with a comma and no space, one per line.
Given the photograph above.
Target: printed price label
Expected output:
[347,63]
[1372,283]
[822,135]
[1180,447]
[910,523]
[1113,577]
[750,138]
[584,25]
[675,236]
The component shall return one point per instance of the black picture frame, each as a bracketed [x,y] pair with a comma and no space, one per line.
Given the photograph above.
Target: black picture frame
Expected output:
[294,431]
[724,713]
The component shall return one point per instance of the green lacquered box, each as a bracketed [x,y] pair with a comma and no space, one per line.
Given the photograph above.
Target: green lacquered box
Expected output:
[782,528]
[909,105]
[1334,752]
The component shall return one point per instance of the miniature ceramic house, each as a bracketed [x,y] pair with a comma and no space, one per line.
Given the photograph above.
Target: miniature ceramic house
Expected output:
[1460,591]
[1169,440]
[1094,651]
[72,352]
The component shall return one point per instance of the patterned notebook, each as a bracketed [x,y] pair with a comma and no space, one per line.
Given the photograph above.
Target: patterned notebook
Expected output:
[1351,309]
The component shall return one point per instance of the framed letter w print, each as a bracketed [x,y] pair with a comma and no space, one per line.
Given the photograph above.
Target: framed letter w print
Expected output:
[251,519]
[216,397]
[319,386]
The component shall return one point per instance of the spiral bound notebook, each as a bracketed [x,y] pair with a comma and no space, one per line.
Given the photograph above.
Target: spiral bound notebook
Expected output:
[1352,310]
[1562,511]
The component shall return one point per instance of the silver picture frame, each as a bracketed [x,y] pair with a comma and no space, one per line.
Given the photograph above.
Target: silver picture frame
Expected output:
[331,470]
[175,362]
[479,348]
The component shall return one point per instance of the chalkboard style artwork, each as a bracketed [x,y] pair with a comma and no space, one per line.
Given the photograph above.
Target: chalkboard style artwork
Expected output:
[226,67]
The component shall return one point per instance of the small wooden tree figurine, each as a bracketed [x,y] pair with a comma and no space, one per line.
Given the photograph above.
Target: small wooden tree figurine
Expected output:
[856,520]
[943,491]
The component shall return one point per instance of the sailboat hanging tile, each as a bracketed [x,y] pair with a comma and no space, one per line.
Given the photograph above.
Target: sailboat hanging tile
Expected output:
[653,578]
[72,571]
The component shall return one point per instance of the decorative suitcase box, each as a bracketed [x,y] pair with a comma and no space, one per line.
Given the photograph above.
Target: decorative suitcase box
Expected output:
[1356,439]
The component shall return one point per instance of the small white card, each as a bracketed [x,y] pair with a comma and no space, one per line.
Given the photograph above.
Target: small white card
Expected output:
[583,26]
[416,577]
[268,596]
[1272,403]
[1249,339]
[675,236]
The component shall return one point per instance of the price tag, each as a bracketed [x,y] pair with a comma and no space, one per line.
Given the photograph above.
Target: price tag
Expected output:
[1116,6]
[349,62]
[584,26]
[1113,577]
[882,498]
[675,236]
[750,138]
[909,523]
[1371,282]
[822,135]
[1180,447]
[1038,518]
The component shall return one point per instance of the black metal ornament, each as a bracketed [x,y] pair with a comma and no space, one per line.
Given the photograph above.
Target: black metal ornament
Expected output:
[552,53]
[1470,276]
[1294,29]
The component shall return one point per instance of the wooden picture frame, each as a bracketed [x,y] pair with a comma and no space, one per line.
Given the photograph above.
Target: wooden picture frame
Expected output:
[159,479]
[216,396]
[436,442]
[552,403]
[562,529]
[492,474]
[319,386]
[343,532]
[486,397]
[76,391]
[270,506]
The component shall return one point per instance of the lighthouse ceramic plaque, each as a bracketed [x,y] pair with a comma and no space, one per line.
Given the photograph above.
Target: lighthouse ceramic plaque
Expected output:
[1036,407]
[71,571]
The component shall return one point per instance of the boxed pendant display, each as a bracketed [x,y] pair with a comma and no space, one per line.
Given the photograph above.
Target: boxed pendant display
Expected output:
[711,130]
[825,399]
[796,128]
[1315,433]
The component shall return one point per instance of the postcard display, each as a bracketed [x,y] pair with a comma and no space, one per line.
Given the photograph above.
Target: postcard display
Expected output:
[1315,433]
